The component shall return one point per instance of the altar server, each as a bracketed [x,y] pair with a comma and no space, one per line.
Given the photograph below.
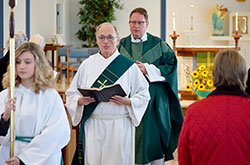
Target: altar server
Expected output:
[41,124]
[20,38]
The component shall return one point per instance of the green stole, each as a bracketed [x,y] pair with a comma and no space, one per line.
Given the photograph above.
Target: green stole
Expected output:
[158,132]
[108,77]
[27,139]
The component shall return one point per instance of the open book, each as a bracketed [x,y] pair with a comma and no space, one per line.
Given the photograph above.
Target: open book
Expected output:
[103,94]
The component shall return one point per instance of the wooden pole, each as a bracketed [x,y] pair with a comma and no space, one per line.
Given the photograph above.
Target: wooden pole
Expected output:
[12,75]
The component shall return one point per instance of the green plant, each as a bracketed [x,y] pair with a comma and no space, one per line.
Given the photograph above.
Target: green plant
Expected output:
[93,13]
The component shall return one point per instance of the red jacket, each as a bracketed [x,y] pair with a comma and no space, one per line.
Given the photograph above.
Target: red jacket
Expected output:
[216,130]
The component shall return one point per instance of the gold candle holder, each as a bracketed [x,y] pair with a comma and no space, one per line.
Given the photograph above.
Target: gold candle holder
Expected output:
[174,37]
[236,37]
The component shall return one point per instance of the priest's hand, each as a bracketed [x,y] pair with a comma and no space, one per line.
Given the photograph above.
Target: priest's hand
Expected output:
[141,67]
[85,100]
[10,104]
[13,161]
[120,100]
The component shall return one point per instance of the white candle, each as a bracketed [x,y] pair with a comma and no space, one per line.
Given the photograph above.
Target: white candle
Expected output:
[236,21]
[173,21]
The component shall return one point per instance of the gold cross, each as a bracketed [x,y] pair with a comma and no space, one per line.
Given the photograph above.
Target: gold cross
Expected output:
[102,84]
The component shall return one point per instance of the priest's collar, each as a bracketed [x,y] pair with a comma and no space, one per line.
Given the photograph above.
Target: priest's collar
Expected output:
[144,38]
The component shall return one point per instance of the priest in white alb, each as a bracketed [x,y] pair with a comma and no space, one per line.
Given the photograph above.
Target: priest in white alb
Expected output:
[107,129]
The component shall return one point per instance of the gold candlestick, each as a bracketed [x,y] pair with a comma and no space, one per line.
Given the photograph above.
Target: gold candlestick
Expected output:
[174,37]
[192,18]
[236,37]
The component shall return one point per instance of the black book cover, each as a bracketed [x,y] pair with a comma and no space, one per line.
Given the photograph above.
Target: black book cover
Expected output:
[103,94]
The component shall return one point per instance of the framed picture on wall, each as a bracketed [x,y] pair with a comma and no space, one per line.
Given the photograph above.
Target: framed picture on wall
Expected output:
[243,22]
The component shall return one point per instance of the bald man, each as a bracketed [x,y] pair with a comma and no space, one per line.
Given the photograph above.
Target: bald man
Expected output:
[109,127]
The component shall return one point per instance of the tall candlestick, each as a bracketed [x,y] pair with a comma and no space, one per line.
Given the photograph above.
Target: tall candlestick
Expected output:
[236,21]
[192,26]
[174,36]
[192,18]
[173,21]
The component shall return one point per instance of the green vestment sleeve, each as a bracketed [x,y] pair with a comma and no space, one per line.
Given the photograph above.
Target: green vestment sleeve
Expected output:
[157,135]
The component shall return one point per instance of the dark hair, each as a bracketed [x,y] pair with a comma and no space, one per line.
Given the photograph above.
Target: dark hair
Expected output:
[229,69]
[141,11]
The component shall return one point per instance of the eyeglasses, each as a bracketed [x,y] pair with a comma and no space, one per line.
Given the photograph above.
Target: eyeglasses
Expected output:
[109,37]
[138,22]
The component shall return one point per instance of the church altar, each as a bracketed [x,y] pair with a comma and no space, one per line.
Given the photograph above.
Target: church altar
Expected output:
[186,56]
[190,51]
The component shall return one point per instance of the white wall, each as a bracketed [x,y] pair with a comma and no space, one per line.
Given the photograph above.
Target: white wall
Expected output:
[201,10]
[153,8]
[121,22]
[72,22]
[43,18]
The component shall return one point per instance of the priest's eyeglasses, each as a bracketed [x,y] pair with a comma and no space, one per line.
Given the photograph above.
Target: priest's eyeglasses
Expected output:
[137,22]
[109,37]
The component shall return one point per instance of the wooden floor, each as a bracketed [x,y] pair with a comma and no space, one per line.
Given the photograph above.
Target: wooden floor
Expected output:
[61,87]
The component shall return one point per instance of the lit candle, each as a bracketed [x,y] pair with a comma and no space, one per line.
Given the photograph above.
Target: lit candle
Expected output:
[173,21]
[236,21]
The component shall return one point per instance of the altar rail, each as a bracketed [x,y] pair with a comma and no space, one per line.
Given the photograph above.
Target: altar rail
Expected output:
[191,51]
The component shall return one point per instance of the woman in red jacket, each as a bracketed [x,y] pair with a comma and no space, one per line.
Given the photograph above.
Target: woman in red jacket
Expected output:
[248,82]
[216,129]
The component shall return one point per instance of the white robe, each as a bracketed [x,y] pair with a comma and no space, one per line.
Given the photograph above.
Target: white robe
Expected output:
[109,141]
[41,116]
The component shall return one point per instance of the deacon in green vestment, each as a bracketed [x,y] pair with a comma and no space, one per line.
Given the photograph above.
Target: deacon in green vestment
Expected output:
[157,135]
[107,129]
